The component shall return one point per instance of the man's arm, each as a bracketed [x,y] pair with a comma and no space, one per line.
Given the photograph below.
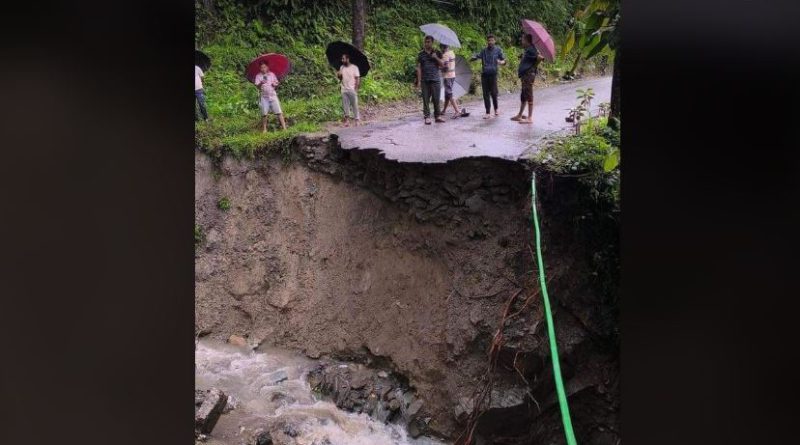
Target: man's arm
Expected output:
[419,75]
[501,58]
[358,82]
[339,72]
[476,56]
[438,58]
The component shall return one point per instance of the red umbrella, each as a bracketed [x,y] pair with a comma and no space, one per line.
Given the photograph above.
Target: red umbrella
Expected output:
[278,64]
[541,39]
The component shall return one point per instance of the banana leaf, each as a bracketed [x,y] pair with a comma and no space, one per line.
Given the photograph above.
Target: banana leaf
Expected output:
[568,44]
[602,42]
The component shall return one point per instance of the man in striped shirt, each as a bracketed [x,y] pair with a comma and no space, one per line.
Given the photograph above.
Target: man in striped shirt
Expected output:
[449,77]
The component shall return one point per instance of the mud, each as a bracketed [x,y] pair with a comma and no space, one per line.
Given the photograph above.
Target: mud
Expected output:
[348,255]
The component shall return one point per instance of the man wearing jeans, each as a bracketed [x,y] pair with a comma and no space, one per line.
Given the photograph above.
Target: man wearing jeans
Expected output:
[429,64]
[491,57]
[199,95]
[350,77]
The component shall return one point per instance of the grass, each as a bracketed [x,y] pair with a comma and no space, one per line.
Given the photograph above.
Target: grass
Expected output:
[224,204]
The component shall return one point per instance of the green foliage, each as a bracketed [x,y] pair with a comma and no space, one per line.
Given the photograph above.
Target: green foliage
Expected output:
[593,31]
[242,137]
[593,155]
[198,235]
[224,204]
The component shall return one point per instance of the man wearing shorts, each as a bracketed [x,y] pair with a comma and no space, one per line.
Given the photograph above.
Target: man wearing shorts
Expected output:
[351,79]
[527,73]
[449,77]
[266,81]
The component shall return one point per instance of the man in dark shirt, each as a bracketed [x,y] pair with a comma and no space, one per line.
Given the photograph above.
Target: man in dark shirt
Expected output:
[491,57]
[528,67]
[429,65]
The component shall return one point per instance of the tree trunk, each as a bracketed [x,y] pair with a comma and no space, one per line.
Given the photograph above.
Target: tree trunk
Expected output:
[616,90]
[571,72]
[359,20]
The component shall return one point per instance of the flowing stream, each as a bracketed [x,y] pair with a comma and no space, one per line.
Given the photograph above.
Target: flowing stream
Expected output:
[268,387]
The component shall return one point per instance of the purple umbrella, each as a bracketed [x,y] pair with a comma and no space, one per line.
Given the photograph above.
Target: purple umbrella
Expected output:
[541,38]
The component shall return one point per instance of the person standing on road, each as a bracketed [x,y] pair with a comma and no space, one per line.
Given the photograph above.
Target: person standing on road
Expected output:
[266,81]
[491,57]
[350,77]
[528,67]
[199,94]
[429,62]
[449,78]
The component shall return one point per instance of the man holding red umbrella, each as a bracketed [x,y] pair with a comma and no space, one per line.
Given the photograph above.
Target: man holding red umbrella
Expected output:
[527,73]
[266,81]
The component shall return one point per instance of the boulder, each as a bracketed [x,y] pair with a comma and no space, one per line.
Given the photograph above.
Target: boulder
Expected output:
[508,413]
[237,341]
[277,377]
[206,416]
[414,408]
[263,438]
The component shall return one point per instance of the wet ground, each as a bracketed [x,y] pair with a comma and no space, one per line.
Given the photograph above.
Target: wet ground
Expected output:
[408,139]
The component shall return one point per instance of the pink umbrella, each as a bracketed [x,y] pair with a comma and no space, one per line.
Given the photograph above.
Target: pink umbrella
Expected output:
[541,39]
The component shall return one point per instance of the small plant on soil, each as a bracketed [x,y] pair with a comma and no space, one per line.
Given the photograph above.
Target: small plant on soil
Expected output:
[224,204]
[198,235]
[583,108]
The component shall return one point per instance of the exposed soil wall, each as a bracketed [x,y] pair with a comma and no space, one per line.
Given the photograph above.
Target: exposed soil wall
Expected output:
[346,254]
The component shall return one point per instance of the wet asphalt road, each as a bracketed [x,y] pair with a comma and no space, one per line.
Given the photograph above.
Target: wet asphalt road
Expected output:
[408,139]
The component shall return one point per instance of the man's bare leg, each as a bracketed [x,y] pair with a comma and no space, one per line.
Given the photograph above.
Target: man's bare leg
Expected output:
[264,123]
[346,122]
[529,120]
[283,122]
[519,115]
[455,107]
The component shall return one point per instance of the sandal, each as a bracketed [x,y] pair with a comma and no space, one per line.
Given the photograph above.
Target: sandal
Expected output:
[427,121]
[517,118]
[439,120]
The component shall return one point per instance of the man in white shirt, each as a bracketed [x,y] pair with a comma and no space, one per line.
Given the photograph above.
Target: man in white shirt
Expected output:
[198,92]
[266,81]
[350,77]
[449,77]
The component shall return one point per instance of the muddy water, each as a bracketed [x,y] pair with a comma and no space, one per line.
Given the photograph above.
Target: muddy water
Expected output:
[268,387]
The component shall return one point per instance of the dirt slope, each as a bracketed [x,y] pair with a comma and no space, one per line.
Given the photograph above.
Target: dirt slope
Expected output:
[342,253]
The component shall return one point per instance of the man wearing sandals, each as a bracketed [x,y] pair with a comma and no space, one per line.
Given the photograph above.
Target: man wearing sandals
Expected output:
[491,57]
[429,62]
[449,78]
[528,67]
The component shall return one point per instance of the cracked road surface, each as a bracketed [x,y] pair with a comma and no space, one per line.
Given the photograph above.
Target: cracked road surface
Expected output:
[408,139]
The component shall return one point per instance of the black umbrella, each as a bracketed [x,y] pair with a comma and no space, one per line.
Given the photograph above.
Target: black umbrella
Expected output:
[202,60]
[334,55]
[463,78]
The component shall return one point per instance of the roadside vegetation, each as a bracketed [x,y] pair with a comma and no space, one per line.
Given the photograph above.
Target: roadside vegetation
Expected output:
[233,32]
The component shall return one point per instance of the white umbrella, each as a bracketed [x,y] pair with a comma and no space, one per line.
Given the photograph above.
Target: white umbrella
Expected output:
[442,34]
